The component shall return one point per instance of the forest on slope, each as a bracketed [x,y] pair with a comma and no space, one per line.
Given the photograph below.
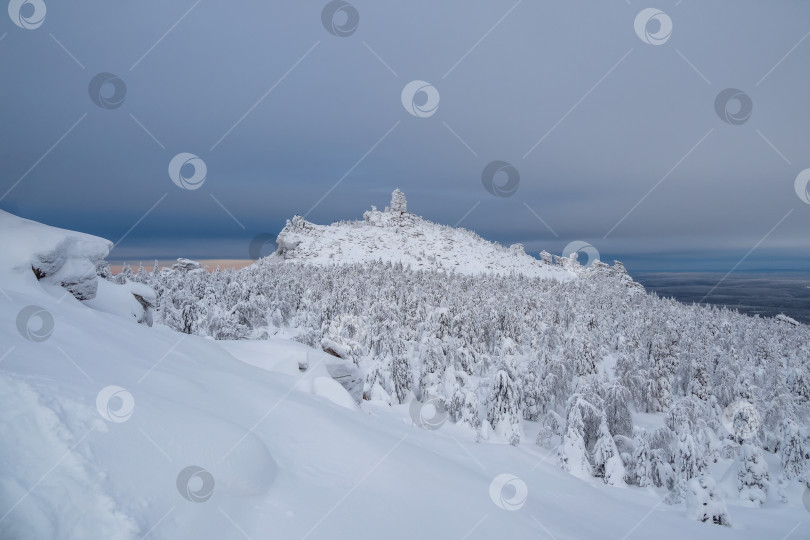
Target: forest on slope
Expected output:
[582,358]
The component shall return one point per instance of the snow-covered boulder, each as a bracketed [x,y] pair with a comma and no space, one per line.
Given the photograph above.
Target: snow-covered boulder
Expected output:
[31,252]
[398,202]
[186,264]
[51,255]
[349,377]
[130,300]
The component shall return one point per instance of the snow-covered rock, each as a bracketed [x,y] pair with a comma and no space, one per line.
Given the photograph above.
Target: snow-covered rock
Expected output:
[130,300]
[349,377]
[55,256]
[32,252]
[186,264]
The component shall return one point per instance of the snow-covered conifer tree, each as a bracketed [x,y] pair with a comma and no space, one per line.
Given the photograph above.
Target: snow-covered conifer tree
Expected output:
[642,459]
[752,476]
[607,463]
[689,461]
[619,418]
[573,452]
[401,377]
[792,452]
[704,502]
[503,412]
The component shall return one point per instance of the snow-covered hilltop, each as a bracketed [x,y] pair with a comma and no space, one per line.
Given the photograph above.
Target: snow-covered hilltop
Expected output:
[396,235]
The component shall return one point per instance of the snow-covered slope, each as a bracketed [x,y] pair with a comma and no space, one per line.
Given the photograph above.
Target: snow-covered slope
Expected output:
[116,430]
[398,236]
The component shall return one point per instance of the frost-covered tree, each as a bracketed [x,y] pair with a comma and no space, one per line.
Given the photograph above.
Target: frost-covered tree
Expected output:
[663,457]
[704,502]
[103,270]
[617,409]
[792,452]
[607,463]
[700,384]
[642,460]
[534,398]
[401,377]
[689,461]
[662,351]
[471,411]
[503,407]
[752,476]
[584,357]
[124,275]
[433,359]
[573,453]
[583,421]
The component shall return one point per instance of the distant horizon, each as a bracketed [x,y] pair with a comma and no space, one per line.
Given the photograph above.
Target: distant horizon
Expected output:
[116,264]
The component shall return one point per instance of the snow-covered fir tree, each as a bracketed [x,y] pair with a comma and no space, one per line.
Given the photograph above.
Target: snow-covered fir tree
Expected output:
[642,460]
[607,463]
[793,453]
[503,407]
[704,502]
[752,476]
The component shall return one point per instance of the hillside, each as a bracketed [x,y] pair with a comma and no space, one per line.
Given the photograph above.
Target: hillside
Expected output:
[117,430]
[398,236]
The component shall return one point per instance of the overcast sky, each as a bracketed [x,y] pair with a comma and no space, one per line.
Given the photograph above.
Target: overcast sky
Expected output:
[611,124]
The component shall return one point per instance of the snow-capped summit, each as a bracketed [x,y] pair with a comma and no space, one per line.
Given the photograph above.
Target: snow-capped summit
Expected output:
[396,235]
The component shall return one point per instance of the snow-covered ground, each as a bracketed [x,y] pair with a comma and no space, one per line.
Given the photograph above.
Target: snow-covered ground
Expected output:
[398,236]
[113,429]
